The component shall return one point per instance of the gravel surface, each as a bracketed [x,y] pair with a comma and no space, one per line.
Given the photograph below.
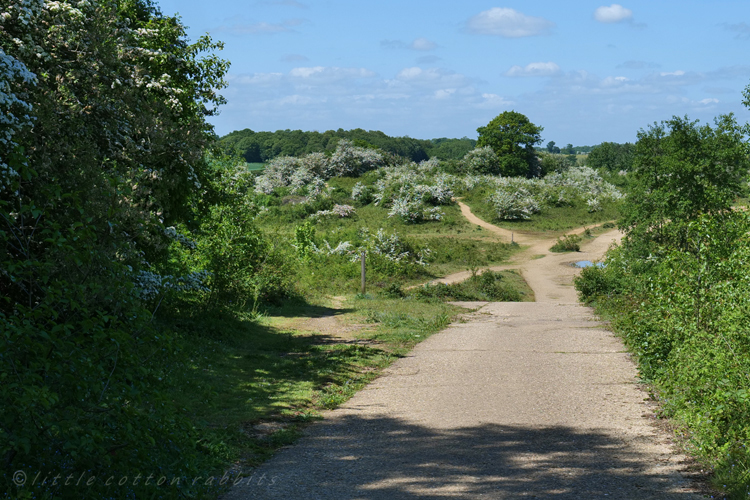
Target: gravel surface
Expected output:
[522,400]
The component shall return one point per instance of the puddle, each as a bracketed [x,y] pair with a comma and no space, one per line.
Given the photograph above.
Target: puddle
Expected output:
[587,263]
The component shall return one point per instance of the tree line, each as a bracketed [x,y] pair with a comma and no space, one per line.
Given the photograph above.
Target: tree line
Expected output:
[260,147]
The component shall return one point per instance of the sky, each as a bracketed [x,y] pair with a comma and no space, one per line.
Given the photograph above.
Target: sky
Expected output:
[585,71]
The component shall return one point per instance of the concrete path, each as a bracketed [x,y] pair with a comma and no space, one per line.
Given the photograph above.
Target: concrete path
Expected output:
[522,400]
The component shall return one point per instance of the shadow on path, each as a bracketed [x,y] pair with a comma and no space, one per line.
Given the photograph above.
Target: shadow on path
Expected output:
[386,458]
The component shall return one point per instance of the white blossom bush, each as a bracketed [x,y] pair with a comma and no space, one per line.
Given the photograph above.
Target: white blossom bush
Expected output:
[594,205]
[362,193]
[482,161]
[349,160]
[310,172]
[149,285]
[338,211]
[519,197]
[511,205]
[410,208]
[342,248]
[395,249]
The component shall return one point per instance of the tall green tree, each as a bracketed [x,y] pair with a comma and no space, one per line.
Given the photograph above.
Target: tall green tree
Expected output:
[682,170]
[512,136]
[107,153]
[612,156]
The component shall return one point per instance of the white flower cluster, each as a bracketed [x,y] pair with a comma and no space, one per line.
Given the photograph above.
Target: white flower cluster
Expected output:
[411,209]
[338,211]
[171,233]
[311,171]
[349,160]
[14,112]
[481,161]
[518,197]
[151,285]
[514,204]
[343,248]
[390,246]
[393,248]
[361,193]
[409,188]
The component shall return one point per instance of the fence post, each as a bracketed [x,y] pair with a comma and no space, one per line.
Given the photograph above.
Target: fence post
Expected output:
[363,272]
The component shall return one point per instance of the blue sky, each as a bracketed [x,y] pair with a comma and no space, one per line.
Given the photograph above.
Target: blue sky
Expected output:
[586,71]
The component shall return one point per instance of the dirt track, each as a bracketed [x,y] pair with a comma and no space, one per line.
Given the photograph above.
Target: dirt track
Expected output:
[523,400]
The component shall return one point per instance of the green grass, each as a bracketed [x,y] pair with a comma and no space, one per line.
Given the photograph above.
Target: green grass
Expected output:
[255,166]
[454,244]
[249,383]
[504,286]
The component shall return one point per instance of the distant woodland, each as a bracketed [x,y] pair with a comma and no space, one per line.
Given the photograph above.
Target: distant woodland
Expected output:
[260,147]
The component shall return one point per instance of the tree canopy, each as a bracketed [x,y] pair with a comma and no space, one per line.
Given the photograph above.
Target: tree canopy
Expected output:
[258,147]
[512,136]
[682,170]
[612,156]
[103,136]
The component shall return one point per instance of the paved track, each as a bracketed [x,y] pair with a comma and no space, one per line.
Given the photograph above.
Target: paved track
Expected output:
[523,400]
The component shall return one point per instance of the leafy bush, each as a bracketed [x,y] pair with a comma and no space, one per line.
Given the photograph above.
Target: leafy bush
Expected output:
[677,288]
[481,161]
[514,205]
[568,243]
[487,286]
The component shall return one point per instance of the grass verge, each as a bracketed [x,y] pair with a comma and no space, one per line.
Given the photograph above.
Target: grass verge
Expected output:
[251,383]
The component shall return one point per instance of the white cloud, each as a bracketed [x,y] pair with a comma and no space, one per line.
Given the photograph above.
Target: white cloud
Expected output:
[435,78]
[330,74]
[420,44]
[709,101]
[673,73]
[423,44]
[615,13]
[638,65]
[261,28]
[299,100]
[507,23]
[494,101]
[444,93]
[257,79]
[534,69]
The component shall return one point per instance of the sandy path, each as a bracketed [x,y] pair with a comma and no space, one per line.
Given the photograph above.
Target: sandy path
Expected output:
[523,400]
[547,273]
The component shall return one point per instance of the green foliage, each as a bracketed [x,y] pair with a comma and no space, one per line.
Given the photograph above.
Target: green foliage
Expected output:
[81,364]
[676,291]
[612,156]
[513,137]
[568,243]
[450,149]
[682,170]
[304,235]
[259,147]
[106,166]
[487,286]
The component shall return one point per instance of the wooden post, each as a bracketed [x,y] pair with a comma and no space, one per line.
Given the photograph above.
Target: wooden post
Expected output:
[511,238]
[363,272]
